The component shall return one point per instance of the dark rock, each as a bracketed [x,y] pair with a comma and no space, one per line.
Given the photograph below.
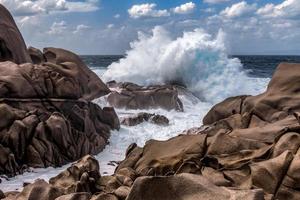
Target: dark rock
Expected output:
[144,117]
[2,196]
[12,45]
[51,132]
[36,55]
[132,96]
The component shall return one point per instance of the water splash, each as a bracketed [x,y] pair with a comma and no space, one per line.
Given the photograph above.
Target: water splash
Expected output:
[196,59]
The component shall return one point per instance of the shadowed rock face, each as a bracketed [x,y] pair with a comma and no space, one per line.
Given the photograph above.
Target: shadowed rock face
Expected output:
[50,132]
[12,45]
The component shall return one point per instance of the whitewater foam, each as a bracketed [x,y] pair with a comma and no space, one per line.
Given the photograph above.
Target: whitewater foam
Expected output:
[196,59]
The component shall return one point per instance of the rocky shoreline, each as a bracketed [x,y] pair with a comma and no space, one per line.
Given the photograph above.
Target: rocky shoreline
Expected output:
[247,147]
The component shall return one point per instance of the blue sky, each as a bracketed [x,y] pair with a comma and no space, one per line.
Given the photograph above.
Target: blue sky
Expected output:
[108,26]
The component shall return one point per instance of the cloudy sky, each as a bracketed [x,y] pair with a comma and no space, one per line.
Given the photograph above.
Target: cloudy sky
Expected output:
[108,26]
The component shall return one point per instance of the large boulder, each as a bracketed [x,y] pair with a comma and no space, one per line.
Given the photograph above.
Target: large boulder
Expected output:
[12,45]
[91,86]
[132,96]
[80,177]
[187,187]
[64,81]
[50,132]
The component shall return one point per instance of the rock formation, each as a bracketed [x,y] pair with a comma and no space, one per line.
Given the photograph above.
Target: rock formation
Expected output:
[47,118]
[247,142]
[132,96]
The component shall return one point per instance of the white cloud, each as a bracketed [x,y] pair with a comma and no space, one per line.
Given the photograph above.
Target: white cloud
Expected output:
[146,10]
[238,10]
[110,26]
[185,8]
[58,28]
[215,1]
[117,16]
[209,10]
[86,6]
[34,7]
[287,9]
[80,28]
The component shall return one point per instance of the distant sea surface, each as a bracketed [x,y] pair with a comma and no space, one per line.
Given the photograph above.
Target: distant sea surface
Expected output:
[256,66]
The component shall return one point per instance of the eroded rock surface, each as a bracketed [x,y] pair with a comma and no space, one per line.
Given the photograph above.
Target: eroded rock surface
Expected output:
[132,96]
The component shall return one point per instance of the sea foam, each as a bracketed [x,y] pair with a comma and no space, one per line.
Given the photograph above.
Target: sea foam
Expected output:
[197,60]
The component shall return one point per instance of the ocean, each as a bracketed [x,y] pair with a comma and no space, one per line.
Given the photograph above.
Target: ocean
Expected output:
[210,75]
[260,66]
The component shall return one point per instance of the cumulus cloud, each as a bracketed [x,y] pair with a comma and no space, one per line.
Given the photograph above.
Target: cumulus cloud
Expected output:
[238,10]
[146,10]
[215,1]
[117,16]
[110,26]
[287,9]
[58,28]
[80,28]
[34,7]
[185,8]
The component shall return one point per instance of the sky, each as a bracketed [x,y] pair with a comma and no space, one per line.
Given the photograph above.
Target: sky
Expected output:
[106,27]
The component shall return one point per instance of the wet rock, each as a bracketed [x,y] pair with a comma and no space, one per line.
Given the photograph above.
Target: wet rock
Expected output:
[132,96]
[12,45]
[145,117]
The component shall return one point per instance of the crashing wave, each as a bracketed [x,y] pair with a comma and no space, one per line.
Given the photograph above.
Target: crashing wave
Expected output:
[196,59]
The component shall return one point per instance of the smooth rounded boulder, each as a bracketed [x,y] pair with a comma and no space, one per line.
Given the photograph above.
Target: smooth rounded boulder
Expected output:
[12,44]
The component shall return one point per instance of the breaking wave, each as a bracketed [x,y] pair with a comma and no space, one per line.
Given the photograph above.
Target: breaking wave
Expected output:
[196,60]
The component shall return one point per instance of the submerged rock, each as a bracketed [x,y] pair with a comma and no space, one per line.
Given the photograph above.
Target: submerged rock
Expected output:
[132,96]
[145,117]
